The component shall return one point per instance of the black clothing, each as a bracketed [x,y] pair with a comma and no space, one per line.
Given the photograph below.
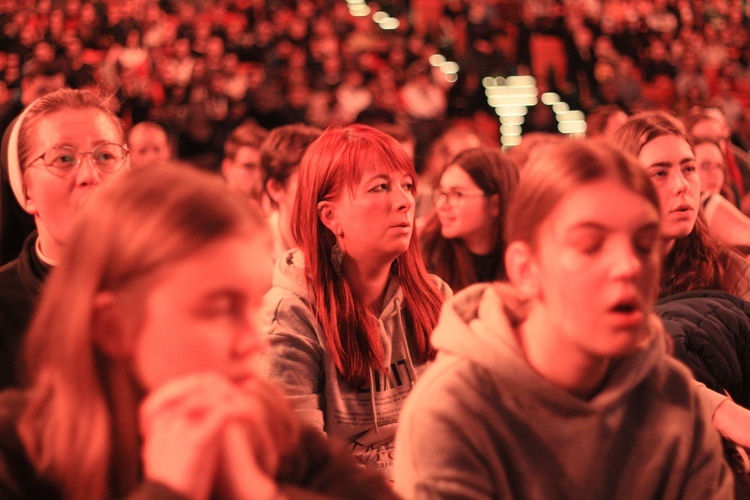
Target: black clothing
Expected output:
[20,285]
[485,266]
[318,469]
[711,333]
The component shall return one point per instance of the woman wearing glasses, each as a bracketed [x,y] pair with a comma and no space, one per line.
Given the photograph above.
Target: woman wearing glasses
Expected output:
[462,240]
[57,152]
[725,221]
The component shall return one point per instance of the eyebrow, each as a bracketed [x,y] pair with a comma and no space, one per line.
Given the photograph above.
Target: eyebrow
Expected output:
[585,225]
[387,177]
[95,144]
[667,164]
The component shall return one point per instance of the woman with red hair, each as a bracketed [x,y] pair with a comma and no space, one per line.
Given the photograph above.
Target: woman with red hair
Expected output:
[351,311]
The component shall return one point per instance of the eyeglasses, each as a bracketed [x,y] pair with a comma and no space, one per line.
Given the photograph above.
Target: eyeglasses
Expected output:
[64,160]
[454,198]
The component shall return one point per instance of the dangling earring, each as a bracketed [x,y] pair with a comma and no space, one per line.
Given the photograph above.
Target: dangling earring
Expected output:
[337,257]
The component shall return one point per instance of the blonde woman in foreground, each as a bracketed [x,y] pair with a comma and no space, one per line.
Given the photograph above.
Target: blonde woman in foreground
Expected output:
[141,360]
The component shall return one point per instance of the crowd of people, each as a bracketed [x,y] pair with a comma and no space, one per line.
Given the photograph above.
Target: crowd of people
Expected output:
[268,249]
[200,68]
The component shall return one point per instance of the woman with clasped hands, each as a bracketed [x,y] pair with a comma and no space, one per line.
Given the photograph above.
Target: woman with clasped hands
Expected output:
[141,360]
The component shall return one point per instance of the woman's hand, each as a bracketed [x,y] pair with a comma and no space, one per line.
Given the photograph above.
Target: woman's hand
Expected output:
[198,428]
[733,422]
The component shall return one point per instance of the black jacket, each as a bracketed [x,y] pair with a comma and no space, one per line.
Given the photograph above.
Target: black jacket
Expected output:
[711,333]
[20,285]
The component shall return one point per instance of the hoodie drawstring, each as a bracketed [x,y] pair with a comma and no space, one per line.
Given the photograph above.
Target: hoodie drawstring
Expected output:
[372,399]
[409,363]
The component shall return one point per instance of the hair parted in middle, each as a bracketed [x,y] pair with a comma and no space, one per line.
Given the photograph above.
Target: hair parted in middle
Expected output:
[125,236]
[495,174]
[332,163]
[696,261]
[558,171]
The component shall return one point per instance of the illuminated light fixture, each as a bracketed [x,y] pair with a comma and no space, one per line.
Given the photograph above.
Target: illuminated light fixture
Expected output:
[390,24]
[380,16]
[513,100]
[355,3]
[510,140]
[499,80]
[451,77]
[560,107]
[512,120]
[487,82]
[359,10]
[510,130]
[498,92]
[450,67]
[520,81]
[571,116]
[550,98]
[512,111]
[437,60]
[578,127]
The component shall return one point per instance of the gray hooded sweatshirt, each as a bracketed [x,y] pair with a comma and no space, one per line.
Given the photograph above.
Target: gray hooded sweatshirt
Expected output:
[298,360]
[481,423]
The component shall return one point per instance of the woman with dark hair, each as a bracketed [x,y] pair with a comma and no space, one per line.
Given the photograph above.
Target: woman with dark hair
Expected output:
[351,312]
[559,384]
[58,152]
[693,258]
[725,221]
[693,261]
[462,241]
[142,358]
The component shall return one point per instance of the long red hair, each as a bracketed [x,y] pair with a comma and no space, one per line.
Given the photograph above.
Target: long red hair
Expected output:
[332,163]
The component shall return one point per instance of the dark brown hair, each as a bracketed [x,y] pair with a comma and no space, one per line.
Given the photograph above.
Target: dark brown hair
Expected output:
[495,174]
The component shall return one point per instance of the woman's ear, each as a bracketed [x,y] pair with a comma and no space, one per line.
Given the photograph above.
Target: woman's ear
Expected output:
[522,269]
[29,204]
[328,217]
[109,326]
[275,190]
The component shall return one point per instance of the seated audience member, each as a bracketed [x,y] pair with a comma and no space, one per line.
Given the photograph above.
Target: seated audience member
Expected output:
[402,134]
[142,361]
[462,241]
[532,145]
[57,153]
[603,121]
[711,124]
[241,164]
[692,258]
[440,152]
[725,221]
[560,385]
[148,144]
[15,224]
[350,312]
[280,156]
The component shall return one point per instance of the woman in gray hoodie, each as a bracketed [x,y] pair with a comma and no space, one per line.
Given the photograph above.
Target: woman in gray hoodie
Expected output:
[560,384]
[350,312]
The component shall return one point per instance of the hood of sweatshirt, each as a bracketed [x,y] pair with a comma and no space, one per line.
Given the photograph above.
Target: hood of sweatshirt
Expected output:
[365,417]
[479,324]
[289,276]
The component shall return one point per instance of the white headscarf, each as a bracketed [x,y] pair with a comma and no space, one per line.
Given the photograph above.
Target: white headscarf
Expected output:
[15,173]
